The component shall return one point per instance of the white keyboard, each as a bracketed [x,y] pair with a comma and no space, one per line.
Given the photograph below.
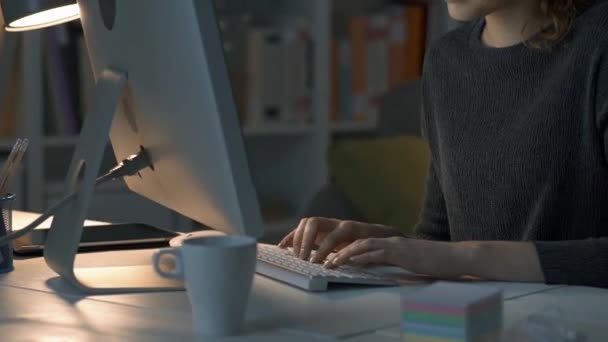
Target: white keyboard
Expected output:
[280,264]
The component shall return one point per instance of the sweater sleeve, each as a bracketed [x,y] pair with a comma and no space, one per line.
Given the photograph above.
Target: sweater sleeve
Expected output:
[602,101]
[433,223]
[580,262]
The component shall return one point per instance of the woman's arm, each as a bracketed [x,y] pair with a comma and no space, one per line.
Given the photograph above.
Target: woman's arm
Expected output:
[502,261]
[601,103]
[577,262]
[433,223]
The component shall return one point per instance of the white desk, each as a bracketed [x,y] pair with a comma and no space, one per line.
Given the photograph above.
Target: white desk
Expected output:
[37,305]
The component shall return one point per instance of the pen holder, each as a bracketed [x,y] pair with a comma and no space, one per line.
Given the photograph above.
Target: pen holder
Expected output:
[6,227]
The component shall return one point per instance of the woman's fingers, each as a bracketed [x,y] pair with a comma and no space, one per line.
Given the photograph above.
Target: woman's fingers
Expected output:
[297,239]
[310,231]
[344,232]
[357,248]
[309,236]
[288,240]
[374,257]
[330,235]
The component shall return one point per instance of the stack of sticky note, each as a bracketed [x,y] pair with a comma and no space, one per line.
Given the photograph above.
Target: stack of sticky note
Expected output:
[451,312]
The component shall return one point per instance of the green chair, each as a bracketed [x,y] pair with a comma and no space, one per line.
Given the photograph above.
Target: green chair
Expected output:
[379,177]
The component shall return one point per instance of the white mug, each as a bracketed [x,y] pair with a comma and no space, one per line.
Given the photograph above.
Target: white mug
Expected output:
[218,272]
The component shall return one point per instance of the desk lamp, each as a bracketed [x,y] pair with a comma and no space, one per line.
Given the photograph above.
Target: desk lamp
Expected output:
[25,15]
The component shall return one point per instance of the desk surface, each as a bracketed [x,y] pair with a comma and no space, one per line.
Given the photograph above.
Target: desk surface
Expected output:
[36,305]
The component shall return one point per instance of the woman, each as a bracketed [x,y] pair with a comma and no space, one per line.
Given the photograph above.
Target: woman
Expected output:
[516,116]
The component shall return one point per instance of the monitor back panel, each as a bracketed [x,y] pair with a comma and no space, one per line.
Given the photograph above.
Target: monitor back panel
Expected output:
[178,104]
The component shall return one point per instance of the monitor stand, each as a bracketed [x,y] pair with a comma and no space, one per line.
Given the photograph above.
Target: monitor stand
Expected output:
[64,236]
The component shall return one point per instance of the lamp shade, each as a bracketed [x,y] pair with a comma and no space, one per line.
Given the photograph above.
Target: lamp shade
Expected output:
[24,15]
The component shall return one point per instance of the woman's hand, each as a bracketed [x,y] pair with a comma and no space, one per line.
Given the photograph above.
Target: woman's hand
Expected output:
[362,244]
[330,235]
[490,260]
[445,260]
[397,251]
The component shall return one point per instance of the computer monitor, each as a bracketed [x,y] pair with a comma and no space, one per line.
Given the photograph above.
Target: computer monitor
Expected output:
[162,85]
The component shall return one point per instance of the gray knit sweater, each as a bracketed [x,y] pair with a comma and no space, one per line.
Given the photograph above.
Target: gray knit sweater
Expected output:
[519,146]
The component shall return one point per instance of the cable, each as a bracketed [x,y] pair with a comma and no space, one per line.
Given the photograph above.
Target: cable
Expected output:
[45,215]
[128,167]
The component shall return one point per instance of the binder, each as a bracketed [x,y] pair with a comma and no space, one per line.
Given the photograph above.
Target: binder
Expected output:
[397,43]
[358,33]
[378,68]
[416,40]
[334,104]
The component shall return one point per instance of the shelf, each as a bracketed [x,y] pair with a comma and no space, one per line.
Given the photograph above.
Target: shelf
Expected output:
[353,127]
[278,129]
[6,144]
[60,141]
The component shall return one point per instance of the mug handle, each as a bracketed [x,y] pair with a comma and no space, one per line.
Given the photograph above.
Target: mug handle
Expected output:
[178,272]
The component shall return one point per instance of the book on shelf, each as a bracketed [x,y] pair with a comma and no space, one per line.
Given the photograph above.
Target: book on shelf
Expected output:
[345,76]
[10,65]
[398,33]
[61,89]
[358,30]
[59,94]
[297,72]
[234,33]
[265,57]
[416,23]
[334,87]
[378,65]
[8,106]
[278,73]
[372,52]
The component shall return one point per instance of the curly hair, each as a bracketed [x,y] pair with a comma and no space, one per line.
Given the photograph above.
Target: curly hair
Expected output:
[562,14]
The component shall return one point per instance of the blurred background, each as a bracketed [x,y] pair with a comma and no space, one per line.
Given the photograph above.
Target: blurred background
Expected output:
[329,104]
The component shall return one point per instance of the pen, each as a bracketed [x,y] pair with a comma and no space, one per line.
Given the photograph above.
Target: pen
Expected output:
[12,165]
[6,177]
[9,161]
